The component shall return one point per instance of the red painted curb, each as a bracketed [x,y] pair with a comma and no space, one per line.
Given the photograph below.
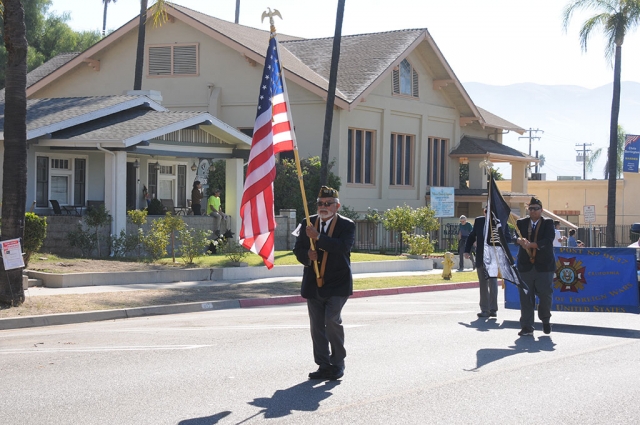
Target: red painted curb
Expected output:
[292,299]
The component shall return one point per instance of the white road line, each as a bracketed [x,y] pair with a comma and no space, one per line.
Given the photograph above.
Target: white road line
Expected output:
[37,350]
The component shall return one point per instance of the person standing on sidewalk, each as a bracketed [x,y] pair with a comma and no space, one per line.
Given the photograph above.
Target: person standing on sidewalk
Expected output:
[537,266]
[334,236]
[464,230]
[488,285]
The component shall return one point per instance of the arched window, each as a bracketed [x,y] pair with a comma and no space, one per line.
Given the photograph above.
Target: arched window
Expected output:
[405,80]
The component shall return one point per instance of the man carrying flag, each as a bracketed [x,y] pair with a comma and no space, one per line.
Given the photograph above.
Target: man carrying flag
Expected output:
[272,133]
[496,257]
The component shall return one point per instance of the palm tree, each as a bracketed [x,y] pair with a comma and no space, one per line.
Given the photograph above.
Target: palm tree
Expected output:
[596,155]
[616,18]
[14,185]
[104,16]
[331,94]
[159,14]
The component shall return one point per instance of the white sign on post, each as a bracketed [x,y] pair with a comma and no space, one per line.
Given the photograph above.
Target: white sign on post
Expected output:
[443,201]
[12,254]
[589,212]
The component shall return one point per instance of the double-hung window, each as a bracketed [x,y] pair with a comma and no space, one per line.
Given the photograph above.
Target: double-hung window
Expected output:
[60,178]
[437,151]
[401,160]
[360,156]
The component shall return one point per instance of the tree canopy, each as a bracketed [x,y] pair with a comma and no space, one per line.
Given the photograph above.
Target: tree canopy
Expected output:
[48,35]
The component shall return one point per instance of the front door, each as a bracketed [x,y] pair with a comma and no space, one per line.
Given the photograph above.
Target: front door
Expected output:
[132,178]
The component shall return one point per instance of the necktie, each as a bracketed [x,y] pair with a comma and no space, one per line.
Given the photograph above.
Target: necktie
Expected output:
[322,230]
[533,226]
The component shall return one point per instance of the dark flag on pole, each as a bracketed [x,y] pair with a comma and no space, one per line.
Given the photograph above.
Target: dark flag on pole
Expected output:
[498,261]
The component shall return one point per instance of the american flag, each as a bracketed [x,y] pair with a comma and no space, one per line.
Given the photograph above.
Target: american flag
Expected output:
[272,133]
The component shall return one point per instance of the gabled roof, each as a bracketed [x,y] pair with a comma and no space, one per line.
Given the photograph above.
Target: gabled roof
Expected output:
[114,121]
[365,60]
[45,116]
[497,122]
[45,69]
[471,147]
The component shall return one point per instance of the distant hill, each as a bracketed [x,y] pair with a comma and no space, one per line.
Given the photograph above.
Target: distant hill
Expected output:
[569,115]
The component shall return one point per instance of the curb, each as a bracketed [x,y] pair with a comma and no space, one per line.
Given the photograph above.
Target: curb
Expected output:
[126,313]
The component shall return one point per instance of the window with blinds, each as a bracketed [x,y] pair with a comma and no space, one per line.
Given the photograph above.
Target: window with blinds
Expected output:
[173,60]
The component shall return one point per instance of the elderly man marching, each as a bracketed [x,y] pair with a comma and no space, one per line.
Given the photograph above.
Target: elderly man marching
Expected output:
[326,295]
[537,266]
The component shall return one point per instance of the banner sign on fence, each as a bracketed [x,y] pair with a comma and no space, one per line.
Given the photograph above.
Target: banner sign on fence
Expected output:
[590,280]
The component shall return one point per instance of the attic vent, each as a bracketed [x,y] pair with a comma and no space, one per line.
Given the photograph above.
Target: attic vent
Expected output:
[405,80]
[179,59]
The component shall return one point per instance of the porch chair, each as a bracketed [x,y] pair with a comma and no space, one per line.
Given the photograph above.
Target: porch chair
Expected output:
[56,207]
[170,206]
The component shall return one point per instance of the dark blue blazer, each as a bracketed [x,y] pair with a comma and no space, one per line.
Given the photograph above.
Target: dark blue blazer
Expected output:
[477,233]
[336,250]
[545,260]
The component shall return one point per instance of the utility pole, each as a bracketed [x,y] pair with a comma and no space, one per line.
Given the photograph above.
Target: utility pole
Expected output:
[582,156]
[531,136]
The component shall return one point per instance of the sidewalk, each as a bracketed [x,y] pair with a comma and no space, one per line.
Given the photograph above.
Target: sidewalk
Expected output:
[89,316]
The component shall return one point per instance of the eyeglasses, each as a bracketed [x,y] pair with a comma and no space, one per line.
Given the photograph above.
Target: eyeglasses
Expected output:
[324,204]
[534,208]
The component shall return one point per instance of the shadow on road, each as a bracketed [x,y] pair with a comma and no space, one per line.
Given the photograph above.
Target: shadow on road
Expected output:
[582,330]
[521,345]
[206,420]
[482,324]
[305,396]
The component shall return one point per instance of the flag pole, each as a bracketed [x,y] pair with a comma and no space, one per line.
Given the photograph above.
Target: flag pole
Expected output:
[271,14]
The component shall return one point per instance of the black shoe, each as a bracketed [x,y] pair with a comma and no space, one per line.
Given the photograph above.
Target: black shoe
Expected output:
[321,373]
[335,373]
[493,314]
[484,314]
[546,328]
[526,332]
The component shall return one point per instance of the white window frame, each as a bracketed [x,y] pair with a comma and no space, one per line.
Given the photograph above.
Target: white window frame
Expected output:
[69,173]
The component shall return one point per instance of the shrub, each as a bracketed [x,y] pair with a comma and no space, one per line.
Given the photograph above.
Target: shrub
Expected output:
[139,218]
[124,244]
[95,219]
[234,251]
[173,224]
[192,242]
[82,239]
[418,244]
[349,213]
[156,240]
[35,230]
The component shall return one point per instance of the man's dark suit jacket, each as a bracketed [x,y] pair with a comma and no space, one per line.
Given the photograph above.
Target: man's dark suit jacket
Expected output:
[477,233]
[336,250]
[545,259]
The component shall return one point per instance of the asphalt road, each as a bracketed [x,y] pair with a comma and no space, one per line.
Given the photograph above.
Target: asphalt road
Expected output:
[412,359]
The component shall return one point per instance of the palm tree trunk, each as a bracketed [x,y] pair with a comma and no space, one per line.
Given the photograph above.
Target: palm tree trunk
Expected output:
[331,95]
[137,82]
[613,151]
[14,185]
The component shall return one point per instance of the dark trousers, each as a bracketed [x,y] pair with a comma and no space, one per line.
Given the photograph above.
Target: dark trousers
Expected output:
[461,243]
[540,284]
[196,209]
[488,291]
[327,333]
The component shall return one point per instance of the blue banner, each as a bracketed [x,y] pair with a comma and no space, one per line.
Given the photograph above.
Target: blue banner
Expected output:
[630,162]
[590,280]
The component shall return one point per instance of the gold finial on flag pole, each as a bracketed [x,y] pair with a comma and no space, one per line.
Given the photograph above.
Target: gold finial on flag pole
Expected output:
[270,14]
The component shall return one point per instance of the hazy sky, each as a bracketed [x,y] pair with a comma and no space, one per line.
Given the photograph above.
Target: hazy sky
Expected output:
[496,42]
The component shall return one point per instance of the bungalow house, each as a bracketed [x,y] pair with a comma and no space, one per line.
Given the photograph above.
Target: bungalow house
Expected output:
[403,122]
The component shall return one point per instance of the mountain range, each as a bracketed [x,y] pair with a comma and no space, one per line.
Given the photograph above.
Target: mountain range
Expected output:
[569,117]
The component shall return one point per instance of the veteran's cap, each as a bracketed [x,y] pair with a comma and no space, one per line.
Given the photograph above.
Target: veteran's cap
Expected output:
[328,192]
[535,201]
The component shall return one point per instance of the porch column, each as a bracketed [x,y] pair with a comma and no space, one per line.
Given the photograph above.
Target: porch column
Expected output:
[234,184]
[115,195]
[477,175]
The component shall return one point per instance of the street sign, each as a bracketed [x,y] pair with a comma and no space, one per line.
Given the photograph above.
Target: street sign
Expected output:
[589,212]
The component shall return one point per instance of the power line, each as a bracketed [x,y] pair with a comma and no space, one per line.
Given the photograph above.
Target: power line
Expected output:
[531,136]
[582,157]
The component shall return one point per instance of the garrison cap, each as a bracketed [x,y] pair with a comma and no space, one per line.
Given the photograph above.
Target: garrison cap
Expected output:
[328,192]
